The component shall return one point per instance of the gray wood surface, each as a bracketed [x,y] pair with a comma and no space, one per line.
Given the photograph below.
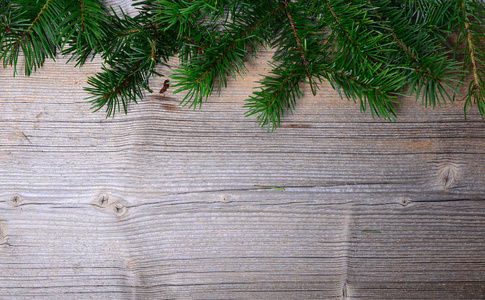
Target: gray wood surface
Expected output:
[166,202]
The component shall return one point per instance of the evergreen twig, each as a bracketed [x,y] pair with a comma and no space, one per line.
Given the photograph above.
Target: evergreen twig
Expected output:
[371,51]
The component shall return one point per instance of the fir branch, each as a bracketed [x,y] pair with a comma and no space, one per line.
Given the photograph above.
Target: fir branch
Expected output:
[198,77]
[277,94]
[119,83]
[83,30]
[378,93]
[367,44]
[297,38]
[337,19]
[134,48]
[474,53]
[33,22]
[184,16]
[370,51]
[36,38]
[432,72]
[235,43]
[280,90]
[370,47]
[131,31]
[471,50]
[393,34]
[82,15]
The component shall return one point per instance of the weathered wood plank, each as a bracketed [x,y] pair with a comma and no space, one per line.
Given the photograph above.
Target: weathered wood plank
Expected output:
[371,209]
[423,249]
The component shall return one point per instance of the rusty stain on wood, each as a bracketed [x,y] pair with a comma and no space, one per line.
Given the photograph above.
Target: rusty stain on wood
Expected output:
[295,126]
[166,106]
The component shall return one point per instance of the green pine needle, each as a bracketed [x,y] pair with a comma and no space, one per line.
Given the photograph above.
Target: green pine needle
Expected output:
[372,52]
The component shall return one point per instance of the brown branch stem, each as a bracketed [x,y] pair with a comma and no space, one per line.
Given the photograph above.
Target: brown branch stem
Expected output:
[469,42]
[338,21]
[82,15]
[297,38]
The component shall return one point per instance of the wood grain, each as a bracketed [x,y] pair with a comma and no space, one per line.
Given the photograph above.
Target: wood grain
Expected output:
[169,203]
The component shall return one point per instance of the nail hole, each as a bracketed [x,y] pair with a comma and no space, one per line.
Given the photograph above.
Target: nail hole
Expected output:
[224,199]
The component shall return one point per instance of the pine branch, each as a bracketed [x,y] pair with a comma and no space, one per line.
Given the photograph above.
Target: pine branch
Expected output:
[278,93]
[134,46]
[393,34]
[371,51]
[184,16]
[427,68]
[297,38]
[119,83]
[226,57]
[473,33]
[339,23]
[378,93]
[359,38]
[83,29]
[31,33]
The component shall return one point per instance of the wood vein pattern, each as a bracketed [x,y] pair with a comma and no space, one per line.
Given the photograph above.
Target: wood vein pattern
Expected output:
[168,203]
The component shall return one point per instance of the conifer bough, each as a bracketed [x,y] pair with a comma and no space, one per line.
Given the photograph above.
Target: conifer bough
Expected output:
[371,51]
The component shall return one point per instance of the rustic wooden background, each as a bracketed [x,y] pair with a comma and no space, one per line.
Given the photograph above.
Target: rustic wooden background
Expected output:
[168,203]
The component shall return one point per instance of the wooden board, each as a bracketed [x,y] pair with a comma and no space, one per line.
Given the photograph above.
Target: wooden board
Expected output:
[169,203]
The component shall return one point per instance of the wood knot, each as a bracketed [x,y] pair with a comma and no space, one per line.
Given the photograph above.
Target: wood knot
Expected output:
[404,201]
[101,201]
[447,175]
[110,203]
[15,200]
[118,209]
[224,199]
